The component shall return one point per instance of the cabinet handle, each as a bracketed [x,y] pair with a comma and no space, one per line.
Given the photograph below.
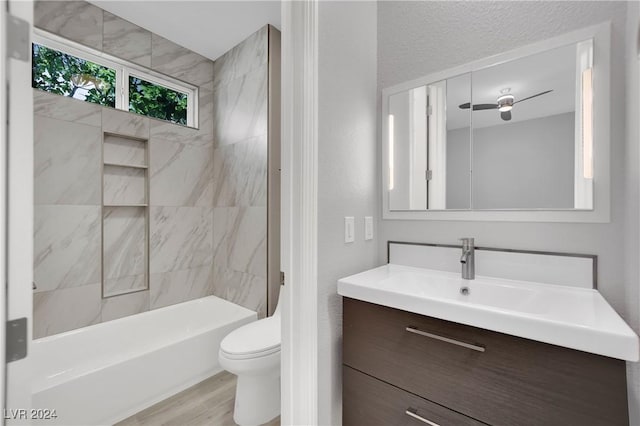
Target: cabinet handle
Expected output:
[414,413]
[446,339]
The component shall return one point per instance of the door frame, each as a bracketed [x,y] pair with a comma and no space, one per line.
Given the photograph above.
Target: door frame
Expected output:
[17,208]
[299,212]
[3,184]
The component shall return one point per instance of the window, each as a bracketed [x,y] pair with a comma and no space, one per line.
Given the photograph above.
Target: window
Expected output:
[67,75]
[69,69]
[151,99]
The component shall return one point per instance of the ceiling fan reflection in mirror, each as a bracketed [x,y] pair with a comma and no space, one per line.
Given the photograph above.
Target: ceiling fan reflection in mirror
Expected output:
[504,103]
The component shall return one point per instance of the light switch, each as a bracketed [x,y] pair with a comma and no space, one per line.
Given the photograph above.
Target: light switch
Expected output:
[349,229]
[368,227]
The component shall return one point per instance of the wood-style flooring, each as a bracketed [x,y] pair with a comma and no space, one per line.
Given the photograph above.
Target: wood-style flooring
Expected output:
[209,403]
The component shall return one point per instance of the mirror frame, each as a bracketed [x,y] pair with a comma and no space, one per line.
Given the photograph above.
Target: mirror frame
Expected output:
[601,35]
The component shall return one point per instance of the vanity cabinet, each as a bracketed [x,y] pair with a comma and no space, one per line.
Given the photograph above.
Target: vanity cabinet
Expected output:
[405,368]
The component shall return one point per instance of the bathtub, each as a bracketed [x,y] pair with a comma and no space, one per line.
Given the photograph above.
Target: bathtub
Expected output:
[104,373]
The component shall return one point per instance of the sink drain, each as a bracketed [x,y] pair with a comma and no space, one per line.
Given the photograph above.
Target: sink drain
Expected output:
[464,291]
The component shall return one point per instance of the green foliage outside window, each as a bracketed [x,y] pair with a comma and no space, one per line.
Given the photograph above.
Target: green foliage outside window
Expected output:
[156,101]
[66,75]
[63,74]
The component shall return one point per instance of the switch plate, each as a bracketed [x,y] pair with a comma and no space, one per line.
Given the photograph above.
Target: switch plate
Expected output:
[368,227]
[349,229]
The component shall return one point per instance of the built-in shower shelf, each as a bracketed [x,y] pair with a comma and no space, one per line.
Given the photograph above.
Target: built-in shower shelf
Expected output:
[133,166]
[125,215]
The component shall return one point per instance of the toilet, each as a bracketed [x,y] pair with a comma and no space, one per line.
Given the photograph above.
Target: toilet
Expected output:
[252,352]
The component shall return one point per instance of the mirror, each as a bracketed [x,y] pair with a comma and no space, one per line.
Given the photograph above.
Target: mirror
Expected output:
[516,135]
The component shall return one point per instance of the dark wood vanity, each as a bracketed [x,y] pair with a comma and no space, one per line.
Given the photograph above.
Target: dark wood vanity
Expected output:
[401,368]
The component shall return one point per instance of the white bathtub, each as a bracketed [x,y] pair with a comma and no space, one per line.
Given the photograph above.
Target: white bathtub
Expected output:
[102,374]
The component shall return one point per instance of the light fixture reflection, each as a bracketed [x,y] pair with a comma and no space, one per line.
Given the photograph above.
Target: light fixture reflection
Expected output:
[505,103]
[587,123]
[391,149]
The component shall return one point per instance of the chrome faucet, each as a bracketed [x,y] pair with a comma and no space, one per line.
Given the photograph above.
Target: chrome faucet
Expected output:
[468,259]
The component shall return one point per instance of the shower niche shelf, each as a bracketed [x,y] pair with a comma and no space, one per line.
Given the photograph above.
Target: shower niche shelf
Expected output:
[133,166]
[125,215]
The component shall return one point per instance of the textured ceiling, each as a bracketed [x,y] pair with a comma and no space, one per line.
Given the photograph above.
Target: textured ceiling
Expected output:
[418,38]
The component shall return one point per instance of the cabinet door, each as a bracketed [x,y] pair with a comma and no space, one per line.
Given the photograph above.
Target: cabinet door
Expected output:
[371,402]
[492,377]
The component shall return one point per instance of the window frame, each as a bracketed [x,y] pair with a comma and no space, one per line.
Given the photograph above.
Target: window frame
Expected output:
[123,69]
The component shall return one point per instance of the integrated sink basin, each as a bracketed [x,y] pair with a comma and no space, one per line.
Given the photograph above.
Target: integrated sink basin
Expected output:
[572,317]
[499,294]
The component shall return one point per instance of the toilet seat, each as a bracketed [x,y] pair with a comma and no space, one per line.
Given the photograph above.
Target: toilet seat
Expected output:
[257,339]
[252,355]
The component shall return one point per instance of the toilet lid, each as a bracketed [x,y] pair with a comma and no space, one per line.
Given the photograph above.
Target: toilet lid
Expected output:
[259,337]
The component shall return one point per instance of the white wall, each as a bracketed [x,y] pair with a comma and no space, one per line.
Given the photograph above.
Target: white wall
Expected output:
[417,38]
[526,164]
[458,168]
[523,164]
[347,175]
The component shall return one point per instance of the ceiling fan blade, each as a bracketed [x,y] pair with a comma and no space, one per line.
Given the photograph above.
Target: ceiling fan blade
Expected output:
[481,107]
[478,107]
[505,115]
[533,96]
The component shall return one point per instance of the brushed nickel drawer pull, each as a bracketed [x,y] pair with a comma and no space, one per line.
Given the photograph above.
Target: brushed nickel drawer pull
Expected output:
[445,339]
[414,413]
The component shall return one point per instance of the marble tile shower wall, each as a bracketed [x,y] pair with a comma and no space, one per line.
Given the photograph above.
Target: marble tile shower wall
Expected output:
[240,173]
[68,164]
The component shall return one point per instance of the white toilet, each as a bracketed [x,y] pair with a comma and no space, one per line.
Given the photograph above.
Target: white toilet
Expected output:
[252,352]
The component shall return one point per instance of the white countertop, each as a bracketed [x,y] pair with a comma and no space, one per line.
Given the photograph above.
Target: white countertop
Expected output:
[575,318]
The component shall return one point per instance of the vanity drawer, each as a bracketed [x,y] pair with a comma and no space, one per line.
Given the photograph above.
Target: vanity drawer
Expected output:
[492,377]
[371,402]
